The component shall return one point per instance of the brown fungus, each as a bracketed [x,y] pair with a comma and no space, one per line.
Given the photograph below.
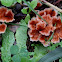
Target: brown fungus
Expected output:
[6,15]
[40,30]
[2,28]
[38,5]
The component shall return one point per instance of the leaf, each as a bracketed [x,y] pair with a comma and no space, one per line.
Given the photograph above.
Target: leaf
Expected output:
[23,23]
[39,52]
[7,2]
[60,60]
[14,49]
[14,1]
[19,1]
[33,3]
[60,43]
[53,55]
[24,10]
[21,36]
[33,10]
[27,18]
[24,52]
[16,58]
[53,47]
[24,59]
[7,42]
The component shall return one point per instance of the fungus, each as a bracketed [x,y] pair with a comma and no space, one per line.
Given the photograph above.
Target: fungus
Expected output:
[55,38]
[47,13]
[50,11]
[47,18]
[34,34]
[57,35]
[40,30]
[38,5]
[2,28]
[6,15]
[40,26]
[43,41]
[47,30]
[32,23]
[56,20]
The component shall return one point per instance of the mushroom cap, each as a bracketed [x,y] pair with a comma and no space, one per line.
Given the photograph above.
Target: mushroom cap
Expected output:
[2,28]
[34,34]
[32,23]
[38,5]
[6,15]
[40,30]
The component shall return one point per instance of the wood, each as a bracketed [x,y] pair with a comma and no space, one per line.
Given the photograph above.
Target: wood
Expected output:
[51,5]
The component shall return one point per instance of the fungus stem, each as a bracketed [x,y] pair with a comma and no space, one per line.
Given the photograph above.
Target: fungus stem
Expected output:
[34,10]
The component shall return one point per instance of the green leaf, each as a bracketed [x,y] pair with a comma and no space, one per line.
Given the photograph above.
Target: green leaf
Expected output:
[23,23]
[16,58]
[21,36]
[33,3]
[19,1]
[60,60]
[7,42]
[53,47]
[27,18]
[53,55]
[14,1]
[60,43]
[7,2]
[14,49]
[24,52]
[24,10]
[24,59]
[39,52]
[33,10]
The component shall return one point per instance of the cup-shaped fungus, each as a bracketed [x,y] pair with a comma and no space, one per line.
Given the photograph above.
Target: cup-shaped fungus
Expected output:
[42,31]
[38,5]
[6,15]
[2,28]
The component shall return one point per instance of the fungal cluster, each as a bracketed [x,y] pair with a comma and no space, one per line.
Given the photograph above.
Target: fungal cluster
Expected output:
[6,15]
[41,31]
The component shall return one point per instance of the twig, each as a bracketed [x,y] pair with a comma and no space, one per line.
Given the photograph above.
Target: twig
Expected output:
[51,5]
[57,2]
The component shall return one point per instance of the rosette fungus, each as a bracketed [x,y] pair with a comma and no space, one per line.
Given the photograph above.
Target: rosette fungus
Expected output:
[41,31]
[6,15]
[38,5]
[2,28]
